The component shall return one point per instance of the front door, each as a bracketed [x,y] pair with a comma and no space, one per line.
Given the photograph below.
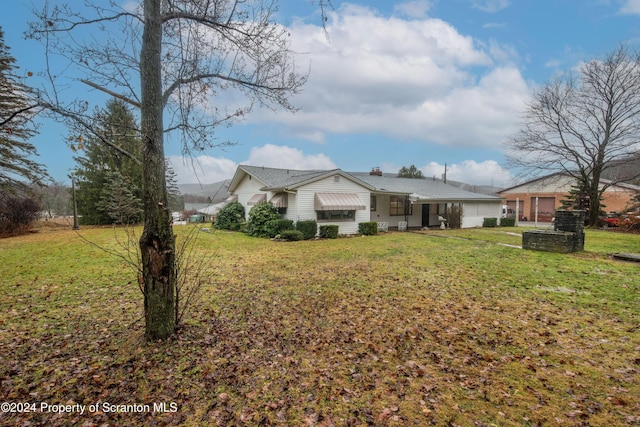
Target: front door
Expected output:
[425,215]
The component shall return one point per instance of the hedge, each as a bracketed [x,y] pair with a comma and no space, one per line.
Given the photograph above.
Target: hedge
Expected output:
[308,228]
[278,226]
[490,222]
[329,231]
[368,228]
[507,222]
[291,235]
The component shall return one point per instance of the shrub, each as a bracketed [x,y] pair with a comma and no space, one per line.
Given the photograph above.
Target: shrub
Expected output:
[329,231]
[454,216]
[278,226]
[239,226]
[230,216]
[308,228]
[490,222]
[292,235]
[260,217]
[17,214]
[368,228]
[508,222]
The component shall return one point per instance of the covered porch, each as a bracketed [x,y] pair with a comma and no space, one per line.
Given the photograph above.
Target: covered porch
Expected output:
[402,211]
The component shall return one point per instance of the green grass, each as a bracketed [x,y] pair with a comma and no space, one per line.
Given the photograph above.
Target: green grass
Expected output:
[393,329]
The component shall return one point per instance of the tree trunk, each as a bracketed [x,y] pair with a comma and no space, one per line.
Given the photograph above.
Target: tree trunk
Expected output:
[157,243]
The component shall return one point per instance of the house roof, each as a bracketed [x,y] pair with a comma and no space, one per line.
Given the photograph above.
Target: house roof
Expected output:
[421,189]
[418,189]
[557,176]
[287,179]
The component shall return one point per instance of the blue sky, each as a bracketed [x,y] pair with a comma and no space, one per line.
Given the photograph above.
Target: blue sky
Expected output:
[423,82]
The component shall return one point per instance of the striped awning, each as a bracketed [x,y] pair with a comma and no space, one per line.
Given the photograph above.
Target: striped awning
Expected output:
[257,198]
[338,202]
[279,200]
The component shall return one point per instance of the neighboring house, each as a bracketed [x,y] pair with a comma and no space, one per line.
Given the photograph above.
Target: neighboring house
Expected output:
[347,198]
[544,195]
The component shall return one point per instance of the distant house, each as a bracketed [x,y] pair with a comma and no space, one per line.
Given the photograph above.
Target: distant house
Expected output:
[348,198]
[545,194]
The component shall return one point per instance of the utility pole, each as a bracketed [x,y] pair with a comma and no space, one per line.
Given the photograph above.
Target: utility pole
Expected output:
[75,207]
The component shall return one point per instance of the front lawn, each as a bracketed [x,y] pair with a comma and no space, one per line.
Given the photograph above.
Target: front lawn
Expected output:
[393,329]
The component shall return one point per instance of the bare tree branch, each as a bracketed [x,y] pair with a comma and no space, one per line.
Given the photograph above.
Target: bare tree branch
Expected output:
[6,120]
[584,124]
[112,93]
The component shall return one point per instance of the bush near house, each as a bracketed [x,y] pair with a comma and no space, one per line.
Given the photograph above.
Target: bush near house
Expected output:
[292,235]
[329,231]
[230,217]
[368,228]
[490,222]
[308,228]
[454,216]
[507,222]
[279,226]
[260,217]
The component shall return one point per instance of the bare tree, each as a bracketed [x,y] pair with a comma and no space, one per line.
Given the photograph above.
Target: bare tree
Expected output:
[172,59]
[583,123]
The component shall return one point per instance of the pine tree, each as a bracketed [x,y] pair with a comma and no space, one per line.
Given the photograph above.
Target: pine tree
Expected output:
[16,113]
[410,172]
[118,202]
[176,201]
[96,161]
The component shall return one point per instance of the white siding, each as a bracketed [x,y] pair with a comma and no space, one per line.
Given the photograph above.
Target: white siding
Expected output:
[246,189]
[292,208]
[305,202]
[473,213]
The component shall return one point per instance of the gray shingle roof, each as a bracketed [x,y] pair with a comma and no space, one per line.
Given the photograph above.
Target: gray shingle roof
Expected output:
[428,188]
[422,189]
[282,178]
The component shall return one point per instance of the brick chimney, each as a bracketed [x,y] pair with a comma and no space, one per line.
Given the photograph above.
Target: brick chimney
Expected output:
[375,171]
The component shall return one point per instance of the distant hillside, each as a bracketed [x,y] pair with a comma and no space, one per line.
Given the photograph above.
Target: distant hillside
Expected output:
[480,189]
[625,171]
[205,193]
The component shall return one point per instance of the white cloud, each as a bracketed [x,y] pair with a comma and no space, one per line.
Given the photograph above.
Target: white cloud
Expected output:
[630,7]
[414,8]
[417,79]
[202,169]
[490,6]
[279,156]
[208,169]
[488,172]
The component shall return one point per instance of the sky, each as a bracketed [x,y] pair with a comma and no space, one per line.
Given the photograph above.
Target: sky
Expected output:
[392,83]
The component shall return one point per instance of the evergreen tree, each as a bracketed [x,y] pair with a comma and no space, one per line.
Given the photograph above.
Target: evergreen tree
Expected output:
[118,202]
[410,172]
[96,161]
[176,201]
[16,113]
[578,198]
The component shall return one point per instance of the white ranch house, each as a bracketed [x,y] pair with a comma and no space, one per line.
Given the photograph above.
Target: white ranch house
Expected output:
[348,198]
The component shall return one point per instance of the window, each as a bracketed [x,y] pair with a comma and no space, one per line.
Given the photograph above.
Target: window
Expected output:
[373,203]
[399,206]
[336,215]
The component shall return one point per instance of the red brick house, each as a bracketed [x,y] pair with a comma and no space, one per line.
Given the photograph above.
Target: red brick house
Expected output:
[545,194]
